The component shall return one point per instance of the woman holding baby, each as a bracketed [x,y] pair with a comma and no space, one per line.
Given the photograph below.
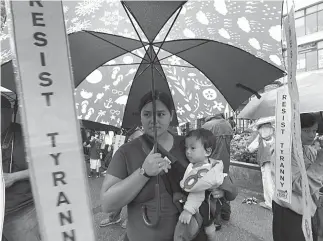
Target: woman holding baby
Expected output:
[131,178]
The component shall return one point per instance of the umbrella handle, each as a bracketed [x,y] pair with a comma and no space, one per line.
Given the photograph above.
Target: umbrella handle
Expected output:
[148,222]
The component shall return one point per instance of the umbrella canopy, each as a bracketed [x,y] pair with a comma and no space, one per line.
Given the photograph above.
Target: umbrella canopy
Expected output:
[310,86]
[186,47]
[11,96]
[98,126]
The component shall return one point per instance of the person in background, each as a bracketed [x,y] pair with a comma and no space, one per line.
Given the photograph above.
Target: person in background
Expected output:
[20,222]
[265,143]
[95,155]
[287,218]
[232,122]
[86,140]
[223,133]
[115,217]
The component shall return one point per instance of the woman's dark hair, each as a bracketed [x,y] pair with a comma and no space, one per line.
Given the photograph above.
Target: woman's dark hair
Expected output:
[207,138]
[161,96]
[307,120]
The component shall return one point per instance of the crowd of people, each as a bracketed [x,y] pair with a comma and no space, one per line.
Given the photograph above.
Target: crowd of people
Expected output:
[190,173]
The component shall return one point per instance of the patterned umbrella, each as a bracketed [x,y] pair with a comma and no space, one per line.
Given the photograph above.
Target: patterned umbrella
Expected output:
[203,53]
[183,48]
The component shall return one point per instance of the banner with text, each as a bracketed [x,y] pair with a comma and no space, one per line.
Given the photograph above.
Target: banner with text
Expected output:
[52,133]
[297,150]
[283,176]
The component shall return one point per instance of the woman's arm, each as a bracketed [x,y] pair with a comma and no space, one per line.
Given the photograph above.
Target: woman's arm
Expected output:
[117,193]
[11,178]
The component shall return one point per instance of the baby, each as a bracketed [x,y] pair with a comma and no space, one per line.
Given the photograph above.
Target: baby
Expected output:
[201,174]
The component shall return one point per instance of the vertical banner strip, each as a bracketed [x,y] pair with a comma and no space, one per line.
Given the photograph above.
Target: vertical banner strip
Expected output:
[283,169]
[51,130]
[297,150]
[2,196]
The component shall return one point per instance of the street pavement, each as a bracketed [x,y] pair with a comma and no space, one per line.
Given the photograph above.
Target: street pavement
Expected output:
[247,223]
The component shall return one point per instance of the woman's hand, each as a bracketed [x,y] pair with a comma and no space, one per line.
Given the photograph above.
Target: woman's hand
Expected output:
[154,164]
[185,217]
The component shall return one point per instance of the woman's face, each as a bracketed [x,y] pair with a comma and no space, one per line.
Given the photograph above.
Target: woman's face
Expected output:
[308,134]
[163,118]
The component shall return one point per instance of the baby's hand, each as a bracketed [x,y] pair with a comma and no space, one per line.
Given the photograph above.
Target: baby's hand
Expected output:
[185,217]
[217,193]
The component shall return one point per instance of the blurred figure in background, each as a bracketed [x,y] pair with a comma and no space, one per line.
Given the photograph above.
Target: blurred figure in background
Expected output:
[223,133]
[232,123]
[95,155]
[265,143]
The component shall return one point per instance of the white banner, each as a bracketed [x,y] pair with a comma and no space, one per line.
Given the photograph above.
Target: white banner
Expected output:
[283,169]
[119,141]
[297,150]
[51,129]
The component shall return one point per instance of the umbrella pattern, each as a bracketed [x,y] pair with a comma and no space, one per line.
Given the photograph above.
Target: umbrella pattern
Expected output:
[104,94]
[252,26]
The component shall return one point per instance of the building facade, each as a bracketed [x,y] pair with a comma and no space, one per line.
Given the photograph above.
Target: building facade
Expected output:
[309,32]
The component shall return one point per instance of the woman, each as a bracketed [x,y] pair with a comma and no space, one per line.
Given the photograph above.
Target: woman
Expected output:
[132,175]
[287,218]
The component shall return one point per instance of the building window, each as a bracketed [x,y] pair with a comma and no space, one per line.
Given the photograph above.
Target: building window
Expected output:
[320,20]
[320,58]
[300,27]
[310,57]
[311,60]
[320,54]
[309,21]
[301,63]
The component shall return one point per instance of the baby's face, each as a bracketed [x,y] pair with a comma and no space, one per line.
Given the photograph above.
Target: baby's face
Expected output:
[195,151]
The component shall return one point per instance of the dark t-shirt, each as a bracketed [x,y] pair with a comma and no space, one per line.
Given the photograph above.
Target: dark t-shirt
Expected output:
[19,195]
[223,133]
[95,149]
[127,160]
